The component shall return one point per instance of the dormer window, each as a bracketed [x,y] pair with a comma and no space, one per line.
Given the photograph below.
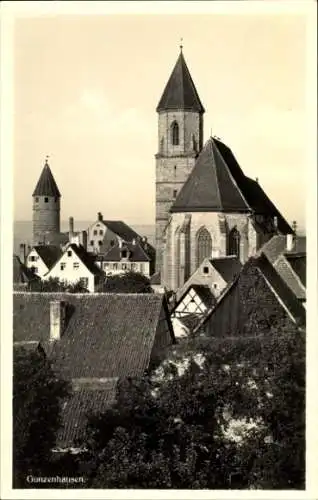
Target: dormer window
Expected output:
[175,134]
[112,243]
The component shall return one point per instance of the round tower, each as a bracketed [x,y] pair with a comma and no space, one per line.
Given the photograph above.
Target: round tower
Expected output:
[46,208]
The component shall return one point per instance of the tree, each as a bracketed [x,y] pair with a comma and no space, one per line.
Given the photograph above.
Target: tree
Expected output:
[37,397]
[56,285]
[128,282]
[225,414]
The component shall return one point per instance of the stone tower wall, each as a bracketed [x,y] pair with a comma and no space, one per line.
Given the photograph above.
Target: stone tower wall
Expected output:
[174,164]
[46,218]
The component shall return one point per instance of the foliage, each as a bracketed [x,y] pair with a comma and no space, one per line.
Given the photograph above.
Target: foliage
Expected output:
[37,396]
[179,432]
[56,285]
[128,282]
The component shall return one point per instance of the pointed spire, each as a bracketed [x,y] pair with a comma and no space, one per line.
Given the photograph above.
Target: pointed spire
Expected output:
[180,92]
[46,185]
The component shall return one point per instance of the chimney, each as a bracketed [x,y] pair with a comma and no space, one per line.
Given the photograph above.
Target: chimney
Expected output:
[57,319]
[294,227]
[256,179]
[289,242]
[134,241]
[84,239]
[71,227]
[23,253]
[120,243]
[276,222]
[99,216]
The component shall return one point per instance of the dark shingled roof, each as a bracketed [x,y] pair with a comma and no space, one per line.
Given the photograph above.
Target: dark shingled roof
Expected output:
[106,335]
[218,184]
[298,263]
[137,254]
[122,230]
[46,185]
[180,92]
[49,254]
[211,186]
[276,283]
[85,401]
[227,267]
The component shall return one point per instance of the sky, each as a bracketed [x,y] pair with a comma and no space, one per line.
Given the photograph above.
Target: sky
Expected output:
[86,89]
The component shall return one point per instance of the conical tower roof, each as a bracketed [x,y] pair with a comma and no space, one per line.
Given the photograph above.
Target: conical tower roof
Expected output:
[46,185]
[180,92]
[212,185]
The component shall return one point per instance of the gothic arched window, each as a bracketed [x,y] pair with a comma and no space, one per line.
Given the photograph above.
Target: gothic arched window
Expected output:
[204,245]
[234,242]
[175,133]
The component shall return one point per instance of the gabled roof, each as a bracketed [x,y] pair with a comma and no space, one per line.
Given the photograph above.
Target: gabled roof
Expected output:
[180,92]
[106,335]
[275,283]
[291,278]
[48,253]
[46,185]
[211,186]
[228,267]
[21,273]
[276,246]
[87,259]
[137,254]
[218,184]
[122,230]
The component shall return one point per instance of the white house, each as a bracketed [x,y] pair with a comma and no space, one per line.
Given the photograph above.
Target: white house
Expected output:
[123,257]
[76,265]
[41,258]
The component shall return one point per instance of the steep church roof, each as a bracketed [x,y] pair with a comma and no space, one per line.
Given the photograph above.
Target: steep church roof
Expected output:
[211,186]
[180,91]
[218,184]
[46,185]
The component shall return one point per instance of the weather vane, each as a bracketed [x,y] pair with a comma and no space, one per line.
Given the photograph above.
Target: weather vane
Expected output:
[181,44]
[47,158]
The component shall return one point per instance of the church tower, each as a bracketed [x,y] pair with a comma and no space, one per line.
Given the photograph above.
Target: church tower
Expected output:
[180,139]
[46,207]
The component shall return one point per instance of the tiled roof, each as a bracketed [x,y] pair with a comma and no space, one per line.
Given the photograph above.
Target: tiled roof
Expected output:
[46,185]
[287,273]
[85,401]
[21,273]
[87,259]
[283,291]
[122,230]
[106,335]
[274,247]
[211,185]
[49,254]
[180,92]
[298,263]
[227,267]
[277,284]
[137,254]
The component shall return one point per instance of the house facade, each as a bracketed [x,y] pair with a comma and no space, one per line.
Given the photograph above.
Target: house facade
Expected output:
[76,265]
[124,257]
[42,258]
